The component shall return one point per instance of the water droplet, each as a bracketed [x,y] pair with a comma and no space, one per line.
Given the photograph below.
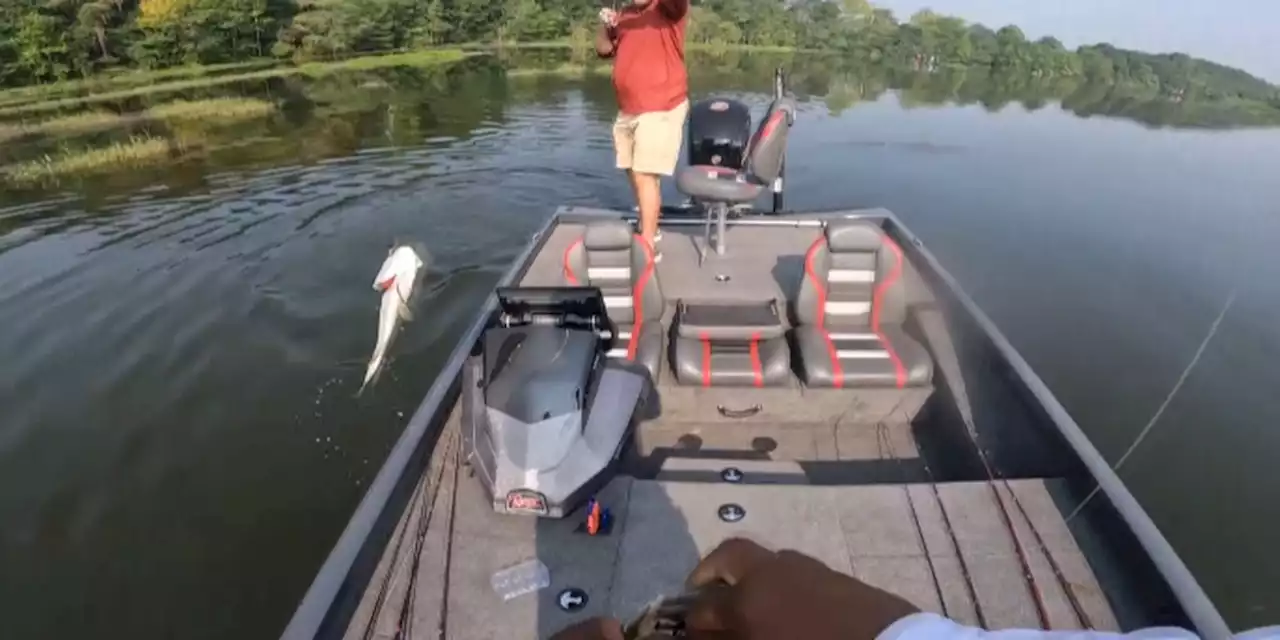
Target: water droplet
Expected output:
[400,413]
[317,439]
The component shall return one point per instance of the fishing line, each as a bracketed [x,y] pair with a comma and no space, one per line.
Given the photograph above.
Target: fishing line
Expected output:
[883,442]
[426,505]
[404,624]
[1177,386]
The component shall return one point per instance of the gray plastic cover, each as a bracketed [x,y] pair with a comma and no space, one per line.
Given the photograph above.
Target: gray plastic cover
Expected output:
[558,456]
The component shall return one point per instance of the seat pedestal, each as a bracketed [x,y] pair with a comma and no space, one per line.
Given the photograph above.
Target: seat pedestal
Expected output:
[720,213]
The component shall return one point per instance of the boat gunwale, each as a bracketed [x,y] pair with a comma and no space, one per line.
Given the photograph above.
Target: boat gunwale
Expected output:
[1196,604]
[314,612]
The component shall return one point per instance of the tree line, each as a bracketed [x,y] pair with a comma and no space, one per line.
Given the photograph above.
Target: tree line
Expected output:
[48,40]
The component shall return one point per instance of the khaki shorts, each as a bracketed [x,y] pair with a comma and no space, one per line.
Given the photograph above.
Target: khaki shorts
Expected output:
[650,142]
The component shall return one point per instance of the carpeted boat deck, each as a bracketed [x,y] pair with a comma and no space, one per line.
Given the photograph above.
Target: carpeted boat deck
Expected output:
[942,546]
[816,476]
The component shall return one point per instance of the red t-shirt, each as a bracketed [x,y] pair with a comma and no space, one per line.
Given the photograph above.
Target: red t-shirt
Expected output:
[648,68]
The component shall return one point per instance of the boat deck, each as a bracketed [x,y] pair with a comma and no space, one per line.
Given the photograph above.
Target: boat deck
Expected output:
[938,545]
[862,496]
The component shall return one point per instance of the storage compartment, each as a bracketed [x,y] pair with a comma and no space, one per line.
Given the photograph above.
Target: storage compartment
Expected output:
[731,344]
[783,406]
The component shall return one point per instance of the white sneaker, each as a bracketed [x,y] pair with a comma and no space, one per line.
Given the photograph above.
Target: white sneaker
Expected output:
[657,237]
[657,257]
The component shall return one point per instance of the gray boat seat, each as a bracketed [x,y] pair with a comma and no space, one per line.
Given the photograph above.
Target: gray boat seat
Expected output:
[763,164]
[612,257]
[850,311]
[739,344]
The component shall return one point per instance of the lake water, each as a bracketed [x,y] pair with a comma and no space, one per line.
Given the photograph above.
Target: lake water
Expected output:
[181,444]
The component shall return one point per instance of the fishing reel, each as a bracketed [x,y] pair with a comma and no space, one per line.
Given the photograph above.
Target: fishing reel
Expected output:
[665,617]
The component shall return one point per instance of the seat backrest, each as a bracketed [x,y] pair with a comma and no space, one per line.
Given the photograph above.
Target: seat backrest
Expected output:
[610,256]
[768,146]
[852,278]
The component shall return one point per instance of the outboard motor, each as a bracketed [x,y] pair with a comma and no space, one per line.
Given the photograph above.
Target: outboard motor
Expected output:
[545,413]
[719,129]
[720,135]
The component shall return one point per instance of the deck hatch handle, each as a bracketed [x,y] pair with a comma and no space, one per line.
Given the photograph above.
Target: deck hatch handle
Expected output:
[738,413]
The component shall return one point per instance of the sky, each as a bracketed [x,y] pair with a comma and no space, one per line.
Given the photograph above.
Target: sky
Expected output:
[1239,33]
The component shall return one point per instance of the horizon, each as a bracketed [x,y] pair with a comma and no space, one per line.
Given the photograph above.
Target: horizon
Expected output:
[1237,33]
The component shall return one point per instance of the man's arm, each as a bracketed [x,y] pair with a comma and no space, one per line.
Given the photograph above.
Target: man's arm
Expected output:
[607,33]
[674,9]
[605,41]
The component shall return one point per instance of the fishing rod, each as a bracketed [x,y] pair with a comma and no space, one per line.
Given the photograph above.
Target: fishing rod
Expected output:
[1168,399]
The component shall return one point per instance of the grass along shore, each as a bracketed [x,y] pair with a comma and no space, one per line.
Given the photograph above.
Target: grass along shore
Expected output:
[147,149]
[121,85]
[415,58]
[121,79]
[218,110]
[137,152]
[567,70]
[76,123]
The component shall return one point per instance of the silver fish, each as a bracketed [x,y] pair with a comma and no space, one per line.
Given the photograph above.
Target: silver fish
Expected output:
[396,280]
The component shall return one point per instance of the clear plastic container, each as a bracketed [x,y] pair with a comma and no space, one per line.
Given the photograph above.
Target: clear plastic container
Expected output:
[519,579]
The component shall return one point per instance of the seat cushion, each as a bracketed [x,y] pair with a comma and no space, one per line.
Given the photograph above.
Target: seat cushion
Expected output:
[862,358]
[732,363]
[717,184]
[729,320]
[642,345]
[610,256]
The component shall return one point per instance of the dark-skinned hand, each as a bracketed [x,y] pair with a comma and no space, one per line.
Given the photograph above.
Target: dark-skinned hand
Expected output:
[592,629]
[783,595]
[752,593]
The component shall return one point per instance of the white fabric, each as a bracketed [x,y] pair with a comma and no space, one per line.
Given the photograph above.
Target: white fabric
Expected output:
[853,336]
[617,301]
[861,354]
[847,308]
[930,626]
[609,273]
[851,275]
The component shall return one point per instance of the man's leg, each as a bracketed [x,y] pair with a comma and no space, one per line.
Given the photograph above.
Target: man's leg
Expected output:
[648,192]
[648,199]
[657,151]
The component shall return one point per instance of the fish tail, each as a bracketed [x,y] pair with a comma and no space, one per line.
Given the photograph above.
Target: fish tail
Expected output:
[371,374]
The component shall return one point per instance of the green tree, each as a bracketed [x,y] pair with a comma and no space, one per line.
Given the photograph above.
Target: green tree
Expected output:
[984,46]
[43,47]
[95,17]
[49,40]
[1012,52]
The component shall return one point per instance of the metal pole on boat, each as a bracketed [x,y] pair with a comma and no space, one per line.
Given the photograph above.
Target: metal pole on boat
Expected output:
[779,90]
[777,185]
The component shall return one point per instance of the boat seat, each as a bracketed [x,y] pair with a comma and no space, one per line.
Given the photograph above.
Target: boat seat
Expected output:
[720,187]
[611,257]
[850,311]
[740,344]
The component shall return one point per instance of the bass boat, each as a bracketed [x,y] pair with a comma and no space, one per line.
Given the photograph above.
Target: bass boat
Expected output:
[811,380]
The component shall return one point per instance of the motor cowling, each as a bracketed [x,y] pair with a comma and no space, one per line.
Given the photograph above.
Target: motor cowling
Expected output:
[719,130]
[545,412]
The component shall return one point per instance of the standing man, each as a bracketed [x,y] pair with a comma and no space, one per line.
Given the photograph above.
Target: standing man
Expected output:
[646,41]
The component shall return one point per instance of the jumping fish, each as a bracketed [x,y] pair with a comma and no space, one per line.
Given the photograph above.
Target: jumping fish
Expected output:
[396,280]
